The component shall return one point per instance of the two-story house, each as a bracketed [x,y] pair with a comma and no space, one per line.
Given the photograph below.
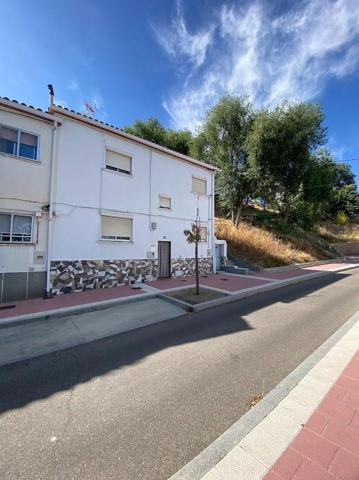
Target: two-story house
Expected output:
[114,206]
[26,136]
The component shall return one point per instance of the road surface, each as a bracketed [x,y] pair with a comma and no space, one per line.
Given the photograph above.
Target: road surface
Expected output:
[140,405]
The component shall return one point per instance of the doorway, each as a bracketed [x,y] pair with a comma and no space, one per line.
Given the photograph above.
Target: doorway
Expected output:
[164,259]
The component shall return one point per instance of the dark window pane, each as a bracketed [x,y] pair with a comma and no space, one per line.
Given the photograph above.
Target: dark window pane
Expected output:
[8,140]
[28,146]
[5,222]
[22,224]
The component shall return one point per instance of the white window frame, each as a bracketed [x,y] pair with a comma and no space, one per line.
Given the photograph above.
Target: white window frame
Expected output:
[118,171]
[114,240]
[17,155]
[14,242]
[168,198]
[202,226]
[204,180]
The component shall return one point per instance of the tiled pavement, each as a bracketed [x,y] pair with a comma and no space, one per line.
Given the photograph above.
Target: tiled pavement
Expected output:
[313,432]
[230,283]
[23,307]
[327,448]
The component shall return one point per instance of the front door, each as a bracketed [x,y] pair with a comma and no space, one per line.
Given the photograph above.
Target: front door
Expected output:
[164,259]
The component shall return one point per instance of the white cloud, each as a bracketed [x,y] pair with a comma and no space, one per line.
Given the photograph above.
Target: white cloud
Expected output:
[74,85]
[178,42]
[268,58]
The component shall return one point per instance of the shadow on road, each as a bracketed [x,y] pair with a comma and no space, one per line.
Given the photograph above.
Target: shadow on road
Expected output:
[32,380]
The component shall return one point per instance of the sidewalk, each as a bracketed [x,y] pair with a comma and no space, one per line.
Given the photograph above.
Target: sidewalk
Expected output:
[309,432]
[32,339]
[231,284]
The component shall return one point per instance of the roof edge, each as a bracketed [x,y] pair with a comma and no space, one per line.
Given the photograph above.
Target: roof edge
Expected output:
[128,136]
[29,109]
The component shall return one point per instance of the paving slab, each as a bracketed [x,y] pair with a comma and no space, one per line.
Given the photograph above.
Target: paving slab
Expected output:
[37,338]
[311,433]
[33,305]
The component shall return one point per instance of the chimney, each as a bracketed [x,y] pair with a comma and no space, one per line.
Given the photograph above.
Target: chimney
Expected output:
[51,94]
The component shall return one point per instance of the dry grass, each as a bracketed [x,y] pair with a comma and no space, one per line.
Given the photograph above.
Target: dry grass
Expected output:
[265,249]
[339,233]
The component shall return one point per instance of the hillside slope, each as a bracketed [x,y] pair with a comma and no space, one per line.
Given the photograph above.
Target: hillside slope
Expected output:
[263,248]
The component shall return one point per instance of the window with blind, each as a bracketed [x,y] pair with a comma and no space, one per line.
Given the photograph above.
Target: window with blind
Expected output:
[18,143]
[165,202]
[117,229]
[199,186]
[202,232]
[118,162]
[15,228]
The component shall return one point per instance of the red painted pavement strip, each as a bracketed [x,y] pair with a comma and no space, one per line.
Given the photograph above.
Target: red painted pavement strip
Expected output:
[327,448]
[34,305]
[231,283]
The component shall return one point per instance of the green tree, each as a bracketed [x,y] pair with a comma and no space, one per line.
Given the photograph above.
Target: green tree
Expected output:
[153,131]
[281,144]
[221,142]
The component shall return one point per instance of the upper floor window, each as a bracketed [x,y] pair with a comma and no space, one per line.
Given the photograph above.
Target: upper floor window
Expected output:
[18,143]
[165,202]
[116,228]
[118,162]
[199,186]
[15,228]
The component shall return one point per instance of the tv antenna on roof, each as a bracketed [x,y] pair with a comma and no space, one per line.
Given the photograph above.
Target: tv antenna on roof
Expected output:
[90,108]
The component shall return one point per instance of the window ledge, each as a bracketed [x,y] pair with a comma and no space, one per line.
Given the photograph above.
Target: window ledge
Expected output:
[127,175]
[200,194]
[101,240]
[17,157]
[17,244]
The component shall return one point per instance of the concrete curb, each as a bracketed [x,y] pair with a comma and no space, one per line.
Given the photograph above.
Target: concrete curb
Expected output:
[301,265]
[217,450]
[248,292]
[104,304]
[73,310]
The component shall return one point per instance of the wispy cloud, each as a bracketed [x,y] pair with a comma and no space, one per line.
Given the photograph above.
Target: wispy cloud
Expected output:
[178,42]
[74,85]
[269,58]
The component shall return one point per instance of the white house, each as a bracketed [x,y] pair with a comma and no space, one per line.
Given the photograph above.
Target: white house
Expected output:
[25,154]
[118,205]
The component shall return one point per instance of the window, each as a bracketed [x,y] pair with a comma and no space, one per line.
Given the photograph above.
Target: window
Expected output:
[15,228]
[116,228]
[118,162]
[165,202]
[16,142]
[202,231]
[199,186]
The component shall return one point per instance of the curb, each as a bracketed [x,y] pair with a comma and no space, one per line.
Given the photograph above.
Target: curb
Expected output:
[300,265]
[248,292]
[210,456]
[104,304]
[74,310]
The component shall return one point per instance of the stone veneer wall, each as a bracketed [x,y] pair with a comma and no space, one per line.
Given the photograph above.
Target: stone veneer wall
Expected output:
[81,275]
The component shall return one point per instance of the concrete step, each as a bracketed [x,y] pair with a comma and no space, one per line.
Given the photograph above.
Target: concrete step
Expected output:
[236,269]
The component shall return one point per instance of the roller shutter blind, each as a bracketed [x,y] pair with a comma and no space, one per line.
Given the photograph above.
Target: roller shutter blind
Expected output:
[165,202]
[199,186]
[118,162]
[116,228]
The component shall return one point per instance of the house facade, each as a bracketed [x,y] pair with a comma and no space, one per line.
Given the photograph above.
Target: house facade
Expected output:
[114,207]
[25,155]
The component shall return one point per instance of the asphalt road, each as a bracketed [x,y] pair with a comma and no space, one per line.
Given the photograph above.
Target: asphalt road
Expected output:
[142,404]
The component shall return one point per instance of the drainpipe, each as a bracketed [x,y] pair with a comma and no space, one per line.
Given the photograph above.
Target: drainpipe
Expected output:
[48,292]
[213,245]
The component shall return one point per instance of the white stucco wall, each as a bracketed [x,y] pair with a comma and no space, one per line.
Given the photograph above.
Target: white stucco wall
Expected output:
[84,188]
[24,189]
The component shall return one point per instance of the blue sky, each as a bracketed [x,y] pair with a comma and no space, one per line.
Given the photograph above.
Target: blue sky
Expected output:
[173,59]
